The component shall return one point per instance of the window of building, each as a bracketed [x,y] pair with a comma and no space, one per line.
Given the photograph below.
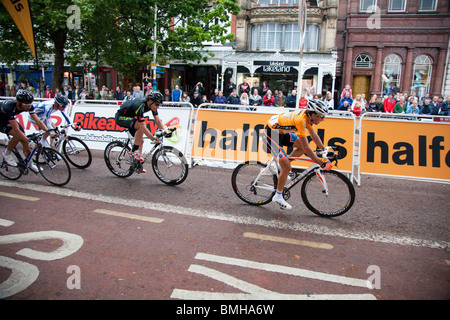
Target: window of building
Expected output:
[427,5]
[422,75]
[363,60]
[397,5]
[265,3]
[391,73]
[367,5]
[269,37]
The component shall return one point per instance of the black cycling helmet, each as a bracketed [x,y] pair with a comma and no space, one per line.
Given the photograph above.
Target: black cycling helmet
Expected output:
[61,100]
[155,97]
[317,106]
[24,96]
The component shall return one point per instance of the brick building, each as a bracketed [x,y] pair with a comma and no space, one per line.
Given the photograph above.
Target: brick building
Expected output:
[387,43]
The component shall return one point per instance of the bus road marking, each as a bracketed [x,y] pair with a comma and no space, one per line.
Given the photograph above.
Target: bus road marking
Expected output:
[319,245]
[129,216]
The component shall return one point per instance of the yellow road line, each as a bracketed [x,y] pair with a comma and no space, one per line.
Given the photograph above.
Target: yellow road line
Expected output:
[129,216]
[19,196]
[319,245]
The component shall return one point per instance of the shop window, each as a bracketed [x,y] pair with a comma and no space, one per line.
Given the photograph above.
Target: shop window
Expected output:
[363,60]
[391,72]
[367,5]
[427,5]
[422,75]
[397,5]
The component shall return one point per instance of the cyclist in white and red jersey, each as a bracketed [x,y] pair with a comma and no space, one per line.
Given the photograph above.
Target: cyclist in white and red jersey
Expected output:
[291,129]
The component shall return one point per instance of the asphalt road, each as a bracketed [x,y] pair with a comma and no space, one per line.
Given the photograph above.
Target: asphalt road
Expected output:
[103,237]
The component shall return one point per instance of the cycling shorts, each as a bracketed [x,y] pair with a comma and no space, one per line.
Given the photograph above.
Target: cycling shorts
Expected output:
[5,126]
[126,122]
[275,142]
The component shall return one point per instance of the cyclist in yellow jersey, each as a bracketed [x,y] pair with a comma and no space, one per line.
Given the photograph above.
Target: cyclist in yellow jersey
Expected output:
[291,129]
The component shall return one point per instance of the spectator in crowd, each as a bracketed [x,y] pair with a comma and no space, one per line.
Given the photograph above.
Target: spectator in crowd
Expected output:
[445,107]
[389,103]
[268,99]
[83,94]
[426,108]
[200,89]
[255,98]
[233,98]
[67,92]
[413,108]
[356,108]
[48,93]
[308,94]
[220,98]
[230,87]
[400,106]
[291,99]
[435,106]
[346,90]
[361,103]
[95,94]
[196,100]
[127,96]
[7,90]
[137,93]
[185,97]
[214,95]
[118,94]
[166,95]
[245,101]
[328,99]
[345,106]
[280,100]
[302,102]
[264,89]
[255,86]
[176,94]
[347,98]
[110,95]
[104,93]
[244,87]
[374,104]
[205,99]
[76,94]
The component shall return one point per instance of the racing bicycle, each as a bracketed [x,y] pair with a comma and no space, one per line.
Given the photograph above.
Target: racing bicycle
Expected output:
[49,162]
[168,163]
[74,149]
[326,193]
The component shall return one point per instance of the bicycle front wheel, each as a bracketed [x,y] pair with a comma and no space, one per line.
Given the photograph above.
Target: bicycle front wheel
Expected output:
[170,166]
[338,200]
[254,183]
[118,159]
[53,166]
[77,152]
[9,172]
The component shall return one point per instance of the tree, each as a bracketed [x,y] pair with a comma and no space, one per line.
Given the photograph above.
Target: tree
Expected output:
[119,32]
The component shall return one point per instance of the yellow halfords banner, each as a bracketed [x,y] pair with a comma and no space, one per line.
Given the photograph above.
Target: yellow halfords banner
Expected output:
[19,10]
[411,149]
[235,136]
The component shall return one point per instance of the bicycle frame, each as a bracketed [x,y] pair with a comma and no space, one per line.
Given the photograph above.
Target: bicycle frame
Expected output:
[298,178]
[156,147]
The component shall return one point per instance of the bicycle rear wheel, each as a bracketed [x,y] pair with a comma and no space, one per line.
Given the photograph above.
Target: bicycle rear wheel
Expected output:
[11,173]
[340,197]
[170,166]
[53,166]
[118,159]
[250,191]
[77,152]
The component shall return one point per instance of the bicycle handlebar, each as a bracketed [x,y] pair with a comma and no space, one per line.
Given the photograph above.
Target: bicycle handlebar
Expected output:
[331,153]
[160,133]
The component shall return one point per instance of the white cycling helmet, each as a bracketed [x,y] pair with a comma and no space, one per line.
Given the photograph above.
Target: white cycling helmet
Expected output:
[317,106]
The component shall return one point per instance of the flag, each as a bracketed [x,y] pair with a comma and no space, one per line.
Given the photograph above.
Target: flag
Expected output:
[20,12]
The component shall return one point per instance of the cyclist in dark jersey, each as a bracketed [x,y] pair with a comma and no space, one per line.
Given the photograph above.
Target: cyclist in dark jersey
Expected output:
[8,124]
[131,116]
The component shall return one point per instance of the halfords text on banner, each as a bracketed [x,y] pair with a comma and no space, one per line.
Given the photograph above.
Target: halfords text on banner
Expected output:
[229,135]
[405,148]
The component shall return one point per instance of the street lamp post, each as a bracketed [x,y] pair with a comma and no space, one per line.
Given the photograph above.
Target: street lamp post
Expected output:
[302,26]
[155,48]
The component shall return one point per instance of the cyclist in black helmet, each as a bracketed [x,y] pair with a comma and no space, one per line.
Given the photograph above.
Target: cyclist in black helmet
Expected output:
[8,124]
[131,116]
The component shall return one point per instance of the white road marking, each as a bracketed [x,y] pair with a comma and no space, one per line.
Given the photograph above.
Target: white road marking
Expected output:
[210,214]
[252,292]
[22,276]
[265,237]
[6,223]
